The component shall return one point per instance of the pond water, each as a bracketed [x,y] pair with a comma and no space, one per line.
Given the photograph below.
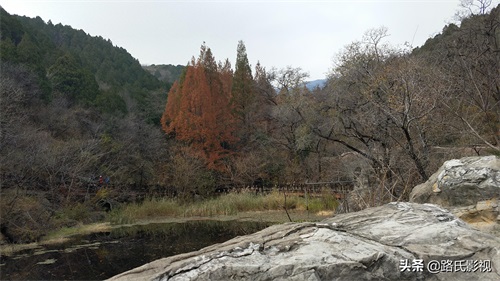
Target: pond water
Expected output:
[102,255]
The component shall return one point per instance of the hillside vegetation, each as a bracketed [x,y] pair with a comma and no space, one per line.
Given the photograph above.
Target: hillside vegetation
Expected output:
[75,107]
[165,72]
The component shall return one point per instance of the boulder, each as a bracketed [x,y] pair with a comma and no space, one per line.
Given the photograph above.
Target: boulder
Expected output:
[469,188]
[397,241]
[461,182]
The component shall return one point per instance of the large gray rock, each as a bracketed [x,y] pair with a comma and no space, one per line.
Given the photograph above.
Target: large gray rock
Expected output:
[469,188]
[372,244]
[461,182]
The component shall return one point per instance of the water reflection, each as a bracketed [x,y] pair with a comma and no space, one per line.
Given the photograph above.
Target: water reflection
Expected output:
[102,255]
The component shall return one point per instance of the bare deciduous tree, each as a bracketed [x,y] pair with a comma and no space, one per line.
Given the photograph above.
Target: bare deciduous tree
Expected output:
[380,106]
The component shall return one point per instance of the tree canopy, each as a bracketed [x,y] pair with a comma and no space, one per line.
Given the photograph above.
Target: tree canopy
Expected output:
[198,110]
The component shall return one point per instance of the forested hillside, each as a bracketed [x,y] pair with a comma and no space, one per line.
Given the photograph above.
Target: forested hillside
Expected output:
[74,107]
[165,72]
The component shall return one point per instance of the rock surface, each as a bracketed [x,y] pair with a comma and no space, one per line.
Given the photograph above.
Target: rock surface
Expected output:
[373,244]
[485,216]
[469,188]
[461,182]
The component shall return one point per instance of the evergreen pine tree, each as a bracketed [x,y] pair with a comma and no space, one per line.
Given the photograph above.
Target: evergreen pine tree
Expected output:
[243,92]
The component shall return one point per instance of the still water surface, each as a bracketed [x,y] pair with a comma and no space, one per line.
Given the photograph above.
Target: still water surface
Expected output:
[102,255]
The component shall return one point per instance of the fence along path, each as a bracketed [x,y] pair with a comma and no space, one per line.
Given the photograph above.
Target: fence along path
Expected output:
[340,189]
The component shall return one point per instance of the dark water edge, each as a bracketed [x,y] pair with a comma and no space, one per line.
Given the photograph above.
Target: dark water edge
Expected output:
[102,255]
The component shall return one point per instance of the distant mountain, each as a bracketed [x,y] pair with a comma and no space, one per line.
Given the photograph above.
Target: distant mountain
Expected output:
[311,85]
[165,72]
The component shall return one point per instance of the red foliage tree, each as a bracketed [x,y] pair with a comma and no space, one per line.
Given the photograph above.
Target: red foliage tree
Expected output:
[198,112]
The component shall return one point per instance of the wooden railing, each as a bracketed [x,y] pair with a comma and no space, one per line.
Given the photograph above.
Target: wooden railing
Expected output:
[340,189]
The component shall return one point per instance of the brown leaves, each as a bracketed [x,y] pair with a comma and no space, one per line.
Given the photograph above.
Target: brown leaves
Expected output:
[198,112]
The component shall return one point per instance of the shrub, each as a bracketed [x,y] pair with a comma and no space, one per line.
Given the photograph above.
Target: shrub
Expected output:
[24,218]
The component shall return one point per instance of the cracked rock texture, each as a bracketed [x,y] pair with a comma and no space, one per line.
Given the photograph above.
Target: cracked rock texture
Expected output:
[366,245]
[469,188]
[461,182]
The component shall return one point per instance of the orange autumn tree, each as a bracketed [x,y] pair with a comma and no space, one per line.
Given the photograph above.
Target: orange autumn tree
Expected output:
[198,109]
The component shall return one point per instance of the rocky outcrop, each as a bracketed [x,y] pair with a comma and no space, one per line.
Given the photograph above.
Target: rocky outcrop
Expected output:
[484,216]
[397,241]
[469,188]
[461,182]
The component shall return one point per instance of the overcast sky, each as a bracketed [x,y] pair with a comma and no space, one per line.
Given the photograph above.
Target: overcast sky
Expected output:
[304,34]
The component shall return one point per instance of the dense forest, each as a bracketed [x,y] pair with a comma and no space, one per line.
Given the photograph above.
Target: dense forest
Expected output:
[75,107]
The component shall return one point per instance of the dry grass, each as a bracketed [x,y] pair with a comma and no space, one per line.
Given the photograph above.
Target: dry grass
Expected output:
[230,204]
[9,249]
[245,206]
[62,234]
